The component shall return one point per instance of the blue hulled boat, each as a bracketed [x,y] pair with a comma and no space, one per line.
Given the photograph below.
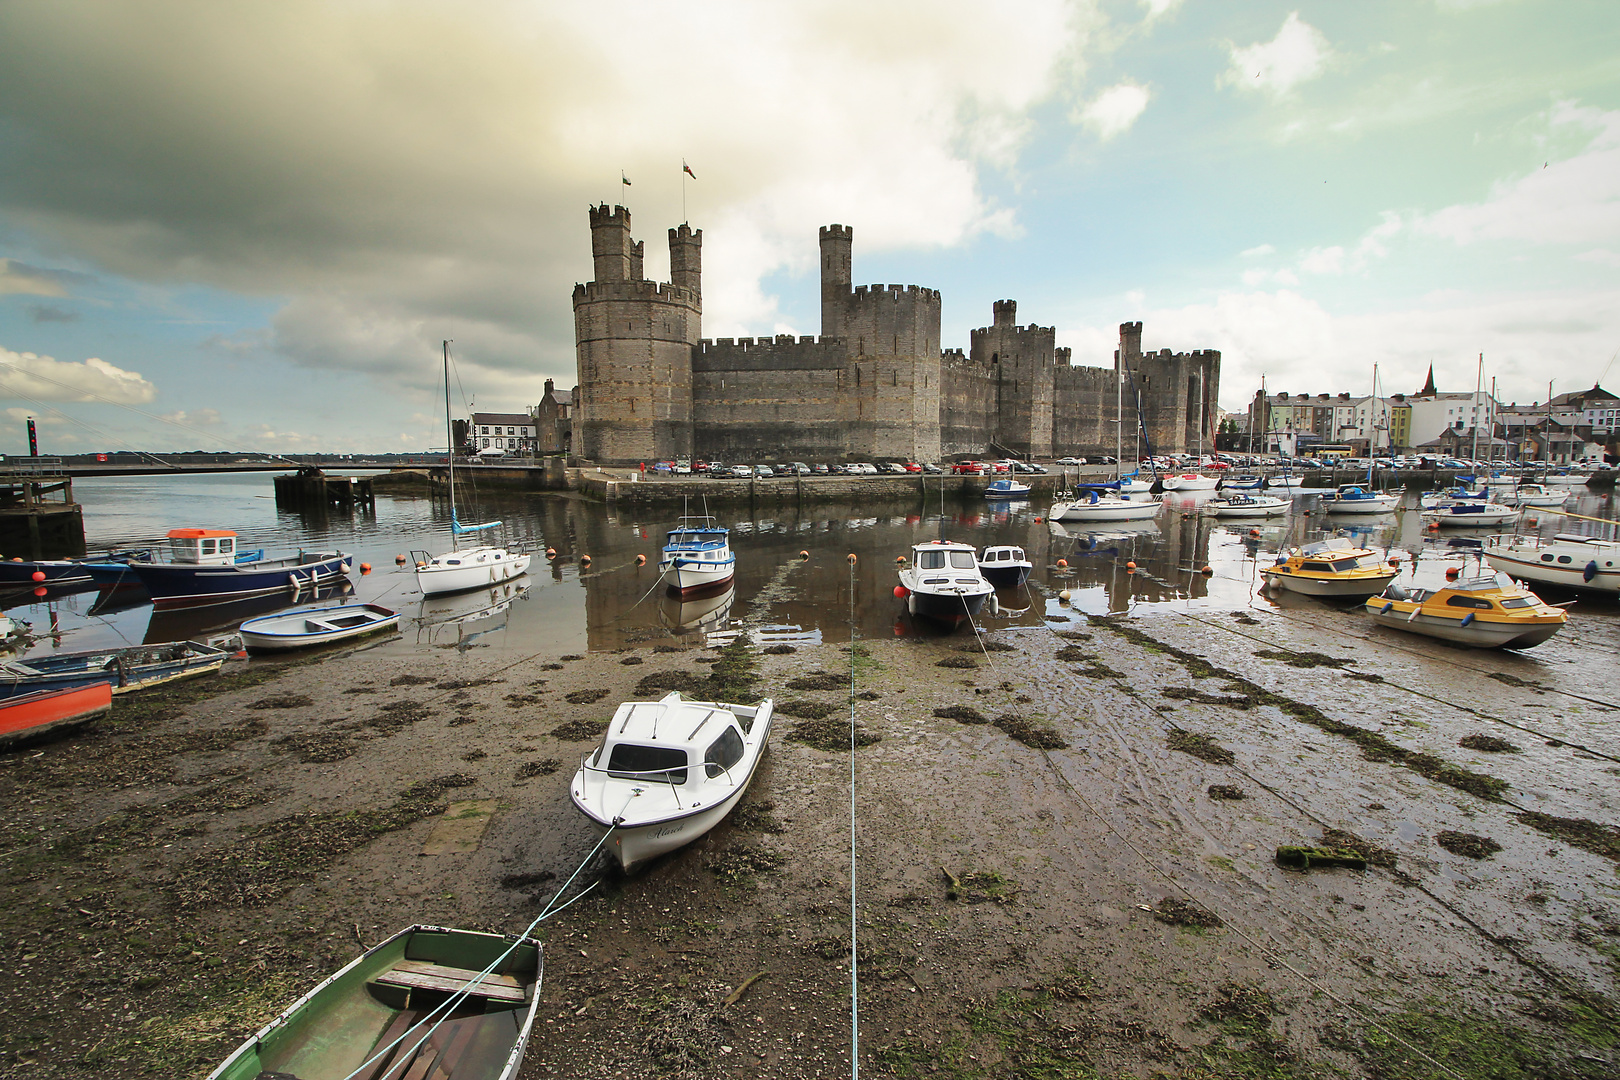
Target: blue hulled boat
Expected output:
[125,669]
[204,567]
[65,571]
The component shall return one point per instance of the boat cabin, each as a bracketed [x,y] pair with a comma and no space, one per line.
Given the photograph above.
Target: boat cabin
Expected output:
[941,555]
[1002,556]
[202,547]
[1493,592]
[689,539]
[670,742]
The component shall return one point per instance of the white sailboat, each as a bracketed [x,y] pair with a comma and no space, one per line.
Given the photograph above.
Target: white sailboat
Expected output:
[1094,504]
[459,570]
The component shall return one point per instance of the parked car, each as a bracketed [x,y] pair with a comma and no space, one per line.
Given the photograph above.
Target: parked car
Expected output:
[931,469]
[701,467]
[742,472]
[913,467]
[968,468]
[1069,461]
[818,469]
[795,468]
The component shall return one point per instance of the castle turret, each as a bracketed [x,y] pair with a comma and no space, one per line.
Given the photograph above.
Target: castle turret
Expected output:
[837,242]
[1020,361]
[633,341]
[686,259]
[611,248]
[1005,313]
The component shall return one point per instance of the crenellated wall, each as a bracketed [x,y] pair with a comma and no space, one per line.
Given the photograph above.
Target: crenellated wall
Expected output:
[874,386]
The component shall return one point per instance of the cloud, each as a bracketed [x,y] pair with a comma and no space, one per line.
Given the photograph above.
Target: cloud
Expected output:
[1114,110]
[45,379]
[1297,54]
[1571,201]
[1256,252]
[21,279]
[1303,347]
[205,418]
[1156,8]
[49,313]
[303,151]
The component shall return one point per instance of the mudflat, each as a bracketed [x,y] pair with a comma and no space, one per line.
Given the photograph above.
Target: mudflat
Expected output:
[1249,844]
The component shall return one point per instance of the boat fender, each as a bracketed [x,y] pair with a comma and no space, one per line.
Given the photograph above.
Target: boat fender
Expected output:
[1387,608]
[1590,572]
[1468,619]
[39,575]
[901,592]
[1416,611]
[1063,597]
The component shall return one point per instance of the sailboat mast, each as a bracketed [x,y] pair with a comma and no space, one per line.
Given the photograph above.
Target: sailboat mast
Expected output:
[1479,379]
[450,443]
[1119,416]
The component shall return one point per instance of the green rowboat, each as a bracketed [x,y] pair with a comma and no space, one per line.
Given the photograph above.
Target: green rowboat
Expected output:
[430,1002]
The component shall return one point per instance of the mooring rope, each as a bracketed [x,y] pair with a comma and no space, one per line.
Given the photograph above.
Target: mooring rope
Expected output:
[854,952]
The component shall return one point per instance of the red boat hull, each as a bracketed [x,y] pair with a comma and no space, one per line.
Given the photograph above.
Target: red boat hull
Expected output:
[28,716]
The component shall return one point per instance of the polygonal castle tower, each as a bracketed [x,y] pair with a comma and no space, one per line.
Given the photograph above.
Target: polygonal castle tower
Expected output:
[1178,393]
[633,343]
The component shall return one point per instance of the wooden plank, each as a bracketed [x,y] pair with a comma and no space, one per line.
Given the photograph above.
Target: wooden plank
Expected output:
[461,828]
[488,987]
[427,967]
[401,1024]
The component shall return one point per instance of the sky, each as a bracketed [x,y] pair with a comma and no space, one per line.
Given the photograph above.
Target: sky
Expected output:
[249,226]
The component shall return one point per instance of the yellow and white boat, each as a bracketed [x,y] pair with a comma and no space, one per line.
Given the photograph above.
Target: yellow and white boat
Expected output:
[1332,567]
[1490,612]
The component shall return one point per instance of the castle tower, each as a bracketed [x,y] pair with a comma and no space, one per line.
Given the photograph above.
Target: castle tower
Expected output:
[633,341]
[837,243]
[1021,362]
[1179,391]
[686,259]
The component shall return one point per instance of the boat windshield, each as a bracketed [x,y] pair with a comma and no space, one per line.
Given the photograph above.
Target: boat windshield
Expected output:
[688,539]
[931,560]
[963,560]
[1341,565]
[1517,602]
[723,753]
[648,764]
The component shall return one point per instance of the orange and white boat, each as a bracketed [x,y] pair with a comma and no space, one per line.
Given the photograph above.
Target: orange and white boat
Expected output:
[1489,612]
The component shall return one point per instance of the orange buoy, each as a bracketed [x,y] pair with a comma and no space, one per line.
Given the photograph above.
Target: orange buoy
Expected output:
[641,560]
[901,592]
[851,559]
[584,560]
[1038,520]
[1208,571]
[804,554]
[900,560]
[399,560]
[551,553]
[1452,572]
[40,590]
[1062,563]
[1131,569]
[1532,521]
[1063,597]
[365,568]
[16,558]
[38,575]
[421,566]
[1254,532]
[1130,566]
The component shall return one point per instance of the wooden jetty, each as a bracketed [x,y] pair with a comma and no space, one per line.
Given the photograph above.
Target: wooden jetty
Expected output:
[311,487]
[38,517]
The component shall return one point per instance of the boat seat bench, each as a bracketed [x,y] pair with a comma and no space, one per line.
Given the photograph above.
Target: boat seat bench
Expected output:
[423,975]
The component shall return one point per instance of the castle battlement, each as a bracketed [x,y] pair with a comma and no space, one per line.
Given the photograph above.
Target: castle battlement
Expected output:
[634,290]
[895,292]
[765,342]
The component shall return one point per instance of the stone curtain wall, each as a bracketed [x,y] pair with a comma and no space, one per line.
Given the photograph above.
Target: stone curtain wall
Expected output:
[770,400]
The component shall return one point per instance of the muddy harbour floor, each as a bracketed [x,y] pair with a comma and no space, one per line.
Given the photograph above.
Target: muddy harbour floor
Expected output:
[1068,858]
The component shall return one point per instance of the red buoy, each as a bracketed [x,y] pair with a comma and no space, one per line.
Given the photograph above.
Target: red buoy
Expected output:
[851,558]
[38,575]
[901,592]
[399,560]
[365,568]
[1062,563]
[40,590]
[1130,566]
[1452,572]
[641,560]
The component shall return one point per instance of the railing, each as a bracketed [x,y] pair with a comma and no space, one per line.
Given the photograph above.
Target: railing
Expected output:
[31,466]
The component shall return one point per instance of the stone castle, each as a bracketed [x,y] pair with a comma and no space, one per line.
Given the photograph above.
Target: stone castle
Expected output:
[874,386]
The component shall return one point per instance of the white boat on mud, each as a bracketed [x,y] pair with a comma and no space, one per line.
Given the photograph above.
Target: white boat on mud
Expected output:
[943,582]
[1568,560]
[304,628]
[1489,612]
[668,771]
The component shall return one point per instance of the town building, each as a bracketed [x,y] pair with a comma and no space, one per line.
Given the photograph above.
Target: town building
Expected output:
[513,433]
[874,385]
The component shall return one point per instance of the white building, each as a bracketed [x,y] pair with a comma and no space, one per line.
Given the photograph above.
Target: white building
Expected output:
[512,432]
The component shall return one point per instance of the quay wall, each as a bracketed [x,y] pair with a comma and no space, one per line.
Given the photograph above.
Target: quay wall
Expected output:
[614,488]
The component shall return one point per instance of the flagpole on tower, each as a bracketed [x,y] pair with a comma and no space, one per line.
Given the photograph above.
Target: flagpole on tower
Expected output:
[686,170]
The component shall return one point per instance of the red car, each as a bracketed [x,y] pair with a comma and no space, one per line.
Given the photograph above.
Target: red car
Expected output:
[912,466]
[968,468]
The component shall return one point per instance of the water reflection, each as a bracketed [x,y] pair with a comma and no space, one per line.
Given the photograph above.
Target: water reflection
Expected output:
[612,602]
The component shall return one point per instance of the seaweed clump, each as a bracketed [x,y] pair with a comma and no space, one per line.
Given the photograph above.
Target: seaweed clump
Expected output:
[1188,693]
[830,735]
[1199,746]
[1490,744]
[1040,738]
[1230,792]
[963,713]
[964,663]
[1178,912]
[806,709]
[1587,835]
[1468,844]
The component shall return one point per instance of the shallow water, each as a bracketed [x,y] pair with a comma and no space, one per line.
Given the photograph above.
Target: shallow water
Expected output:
[612,602]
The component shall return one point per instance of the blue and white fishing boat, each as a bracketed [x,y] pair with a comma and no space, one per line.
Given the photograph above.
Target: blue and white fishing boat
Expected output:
[1005,566]
[1470,514]
[204,567]
[126,669]
[1246,482]
[63,571]
[1006,488]
[697,556]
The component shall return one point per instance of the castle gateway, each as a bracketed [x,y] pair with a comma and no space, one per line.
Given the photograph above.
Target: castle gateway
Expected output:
[873,386]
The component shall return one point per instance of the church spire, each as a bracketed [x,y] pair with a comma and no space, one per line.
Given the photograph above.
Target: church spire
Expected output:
[1428,385]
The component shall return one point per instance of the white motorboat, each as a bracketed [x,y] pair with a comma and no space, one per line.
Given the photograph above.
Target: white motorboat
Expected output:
[1470,514]
[1189,482]
[1357,499]
[668,771]
[1451,495]
[1285,483]
[697,556]
[1534,495]
[1244,482]
[1565,479]
[1246,506]
[942,581]
[302,628]
[1094,505]
[1005,566]
[1568,560]
[475,568]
